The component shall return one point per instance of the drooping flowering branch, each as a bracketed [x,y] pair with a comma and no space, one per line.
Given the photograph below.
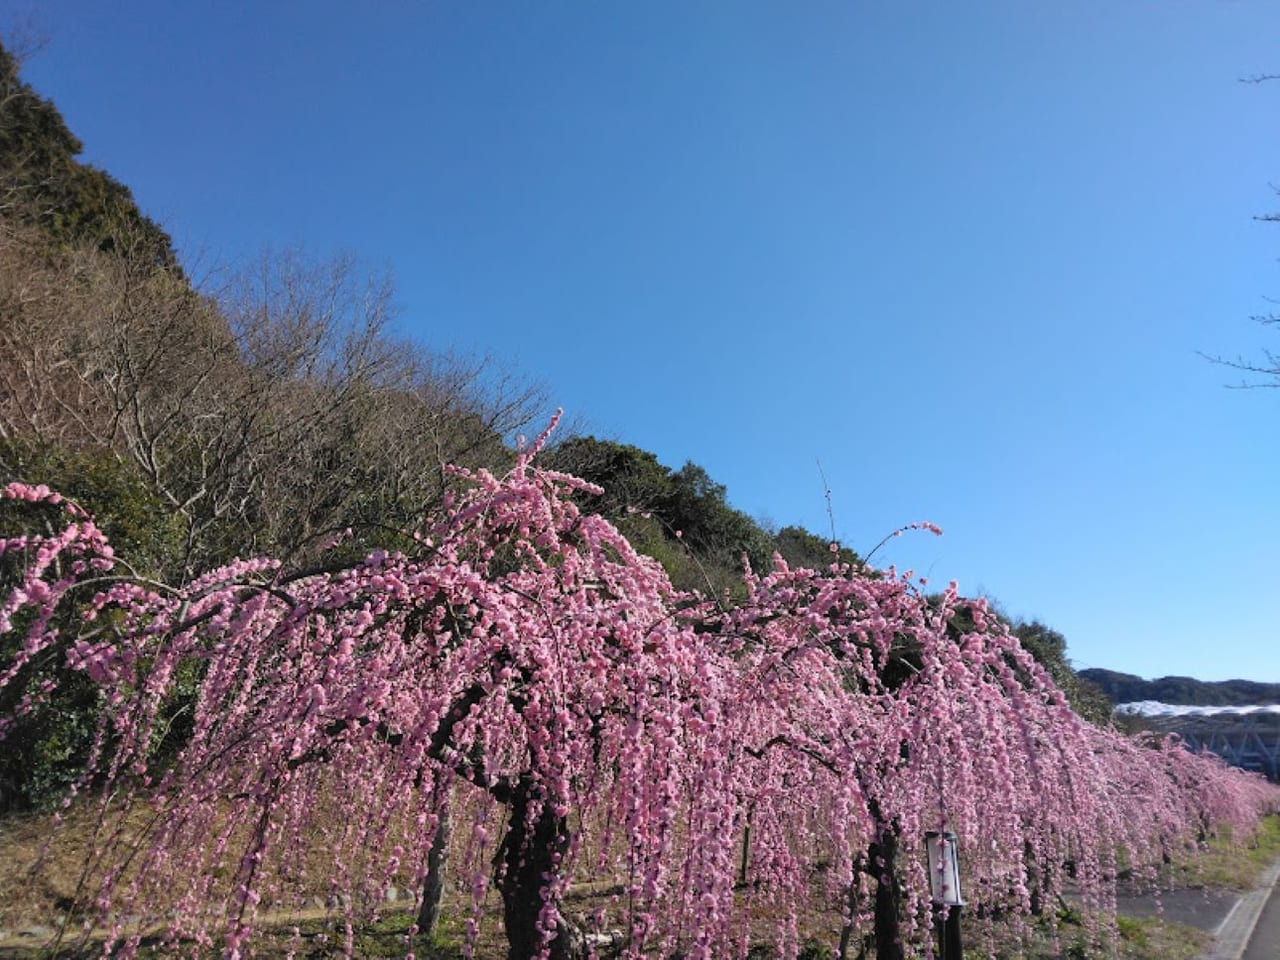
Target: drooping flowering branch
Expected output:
[527,667]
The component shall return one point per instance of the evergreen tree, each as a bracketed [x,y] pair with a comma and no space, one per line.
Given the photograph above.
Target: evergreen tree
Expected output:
[42,182]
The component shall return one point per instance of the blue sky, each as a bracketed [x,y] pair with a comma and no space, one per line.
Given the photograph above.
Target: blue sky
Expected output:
[961,254]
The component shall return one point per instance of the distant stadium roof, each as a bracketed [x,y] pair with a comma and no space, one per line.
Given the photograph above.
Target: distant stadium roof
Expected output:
[1247,737]
[1154,708]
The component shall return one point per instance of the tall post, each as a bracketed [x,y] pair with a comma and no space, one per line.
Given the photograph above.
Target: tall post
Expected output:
[951,947]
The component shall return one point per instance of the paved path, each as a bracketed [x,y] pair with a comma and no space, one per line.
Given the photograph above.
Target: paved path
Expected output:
[1265,942]
[1202,909]
[1246,934]
[1244,926]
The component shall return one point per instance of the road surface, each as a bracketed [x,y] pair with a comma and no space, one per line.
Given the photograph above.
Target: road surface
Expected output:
[1265,942]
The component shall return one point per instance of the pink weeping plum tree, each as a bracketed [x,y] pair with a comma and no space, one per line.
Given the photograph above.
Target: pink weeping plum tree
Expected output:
[525,666]
[924,713]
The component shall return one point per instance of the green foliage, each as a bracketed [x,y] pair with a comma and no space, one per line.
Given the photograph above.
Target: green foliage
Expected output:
[1049,647]
[682,518]
[134,519]
[699,509]
[800,548]
[1133,930]
[43,183]
[814,950]
[45,751]
[633,479]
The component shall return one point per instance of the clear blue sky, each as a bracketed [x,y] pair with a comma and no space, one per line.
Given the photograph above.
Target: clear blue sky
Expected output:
[963,254]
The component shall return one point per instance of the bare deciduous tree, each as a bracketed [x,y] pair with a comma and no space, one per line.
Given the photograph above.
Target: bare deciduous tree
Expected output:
[1263,372]
[266,412]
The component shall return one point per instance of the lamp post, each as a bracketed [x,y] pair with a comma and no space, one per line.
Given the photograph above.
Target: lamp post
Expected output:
[943,852]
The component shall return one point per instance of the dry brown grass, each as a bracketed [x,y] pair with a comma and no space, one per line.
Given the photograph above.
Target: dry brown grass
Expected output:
[44,867]
[43,876]
[44,883]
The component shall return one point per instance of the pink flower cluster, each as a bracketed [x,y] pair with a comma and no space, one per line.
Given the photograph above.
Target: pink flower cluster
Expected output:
[714,763]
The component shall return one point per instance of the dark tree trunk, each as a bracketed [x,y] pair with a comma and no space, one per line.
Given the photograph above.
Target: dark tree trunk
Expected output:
[433,885]
[848,931]
[882,861]
[1033,878]
[530,852]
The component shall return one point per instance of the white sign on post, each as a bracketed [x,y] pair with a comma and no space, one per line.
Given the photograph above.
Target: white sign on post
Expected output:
[944,868]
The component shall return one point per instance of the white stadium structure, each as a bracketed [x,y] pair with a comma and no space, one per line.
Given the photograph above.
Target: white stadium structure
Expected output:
[1247,737]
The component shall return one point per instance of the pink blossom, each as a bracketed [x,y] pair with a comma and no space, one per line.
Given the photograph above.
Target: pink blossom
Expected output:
[825,711]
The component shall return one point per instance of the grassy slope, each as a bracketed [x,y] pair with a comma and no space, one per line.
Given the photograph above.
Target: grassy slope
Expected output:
[26,895]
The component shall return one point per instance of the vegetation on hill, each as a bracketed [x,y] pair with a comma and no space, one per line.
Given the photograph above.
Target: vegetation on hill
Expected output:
[264,411]
[44,185]
[682,517]
[1049,647]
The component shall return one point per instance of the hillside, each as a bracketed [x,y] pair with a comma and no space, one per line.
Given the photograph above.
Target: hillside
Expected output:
[1184,691]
